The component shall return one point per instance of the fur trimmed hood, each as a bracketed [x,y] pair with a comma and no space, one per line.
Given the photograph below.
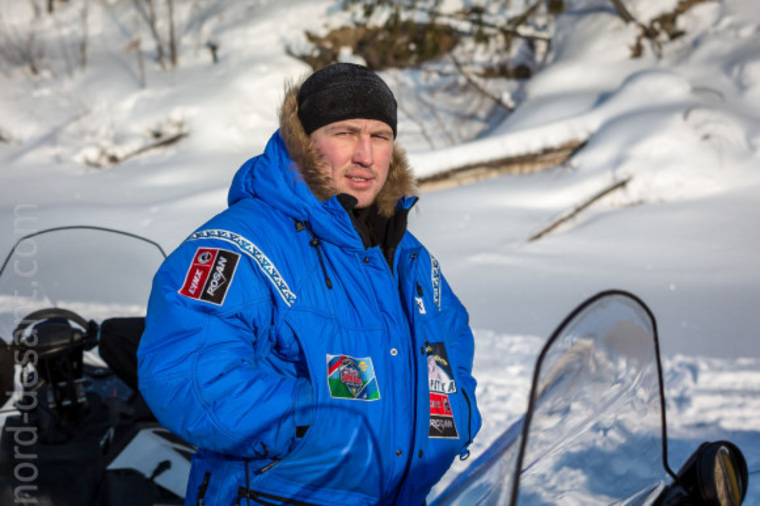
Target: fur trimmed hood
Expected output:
[400,180]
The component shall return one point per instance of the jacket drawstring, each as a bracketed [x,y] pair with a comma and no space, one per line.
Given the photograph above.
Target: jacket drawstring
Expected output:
[316,243]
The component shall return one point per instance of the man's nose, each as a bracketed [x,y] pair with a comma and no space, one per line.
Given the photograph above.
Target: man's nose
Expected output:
[363,152]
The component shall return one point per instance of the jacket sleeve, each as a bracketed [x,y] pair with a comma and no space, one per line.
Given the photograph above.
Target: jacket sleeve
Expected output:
[203,366]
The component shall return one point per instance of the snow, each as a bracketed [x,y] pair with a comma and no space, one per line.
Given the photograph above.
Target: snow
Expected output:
[682,234]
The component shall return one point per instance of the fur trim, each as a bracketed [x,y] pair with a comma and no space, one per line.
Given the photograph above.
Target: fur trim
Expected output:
[400,180]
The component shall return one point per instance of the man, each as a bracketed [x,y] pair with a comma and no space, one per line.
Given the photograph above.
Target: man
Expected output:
[303,339]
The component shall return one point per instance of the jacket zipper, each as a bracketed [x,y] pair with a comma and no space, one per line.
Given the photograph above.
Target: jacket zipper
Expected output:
[202,488]
[316,244]
[265,498]
[465,453]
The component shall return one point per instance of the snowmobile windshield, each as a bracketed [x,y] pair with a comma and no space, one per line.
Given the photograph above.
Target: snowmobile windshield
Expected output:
[92,271]
[592,433]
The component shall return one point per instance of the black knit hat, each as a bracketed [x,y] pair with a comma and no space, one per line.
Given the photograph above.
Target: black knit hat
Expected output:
[344,91]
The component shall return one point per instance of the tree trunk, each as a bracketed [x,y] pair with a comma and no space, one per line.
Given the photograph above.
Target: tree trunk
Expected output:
[149,16]
[85,35]
[172,36]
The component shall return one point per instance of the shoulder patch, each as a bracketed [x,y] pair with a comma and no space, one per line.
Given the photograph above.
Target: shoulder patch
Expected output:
[210,274]
[250,249]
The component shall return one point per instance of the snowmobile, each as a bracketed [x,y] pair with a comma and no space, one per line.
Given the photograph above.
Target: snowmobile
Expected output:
[595,429]
[77,432]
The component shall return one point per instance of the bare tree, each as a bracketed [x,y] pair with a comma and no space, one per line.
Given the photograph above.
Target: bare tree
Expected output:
[51,5]
[134,45]
[32,53]
[84,34]
[172,37]
[147,9]
[35,8]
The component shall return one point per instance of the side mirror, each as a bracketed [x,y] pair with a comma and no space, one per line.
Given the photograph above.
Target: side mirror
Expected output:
[714,475]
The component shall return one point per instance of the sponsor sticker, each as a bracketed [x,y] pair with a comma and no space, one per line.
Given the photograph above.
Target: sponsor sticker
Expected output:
[352,378]
[439,405]
[210,275]
[440,376]
[443,427]
[441,383]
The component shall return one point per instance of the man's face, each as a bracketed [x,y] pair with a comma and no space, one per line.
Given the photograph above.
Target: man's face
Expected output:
[357,153]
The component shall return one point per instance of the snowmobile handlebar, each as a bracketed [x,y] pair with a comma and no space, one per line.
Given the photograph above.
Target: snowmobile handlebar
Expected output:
[54,334]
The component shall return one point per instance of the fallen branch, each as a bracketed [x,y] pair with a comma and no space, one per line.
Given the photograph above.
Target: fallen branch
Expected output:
[510,28]
[579,208]
[520,164]
[107,159]
[164,141]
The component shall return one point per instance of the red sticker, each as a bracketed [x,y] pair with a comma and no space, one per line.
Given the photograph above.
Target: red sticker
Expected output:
[210,275]
[439,405]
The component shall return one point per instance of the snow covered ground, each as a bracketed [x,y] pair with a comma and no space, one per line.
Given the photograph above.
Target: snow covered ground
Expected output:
[683,234]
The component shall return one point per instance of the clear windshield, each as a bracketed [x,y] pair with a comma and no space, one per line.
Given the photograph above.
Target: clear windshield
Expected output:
[595,432]
[96,273]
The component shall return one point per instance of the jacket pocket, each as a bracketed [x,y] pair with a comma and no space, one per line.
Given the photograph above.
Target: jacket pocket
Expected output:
[350,408]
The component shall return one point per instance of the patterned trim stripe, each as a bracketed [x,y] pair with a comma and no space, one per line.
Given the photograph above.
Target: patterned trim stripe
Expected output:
[435,276]
[250,249]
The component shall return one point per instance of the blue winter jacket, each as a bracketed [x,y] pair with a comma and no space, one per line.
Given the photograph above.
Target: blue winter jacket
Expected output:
[272,316]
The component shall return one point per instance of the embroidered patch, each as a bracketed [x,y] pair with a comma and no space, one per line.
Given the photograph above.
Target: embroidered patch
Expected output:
[441,383]
[210,275]
[352,378]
